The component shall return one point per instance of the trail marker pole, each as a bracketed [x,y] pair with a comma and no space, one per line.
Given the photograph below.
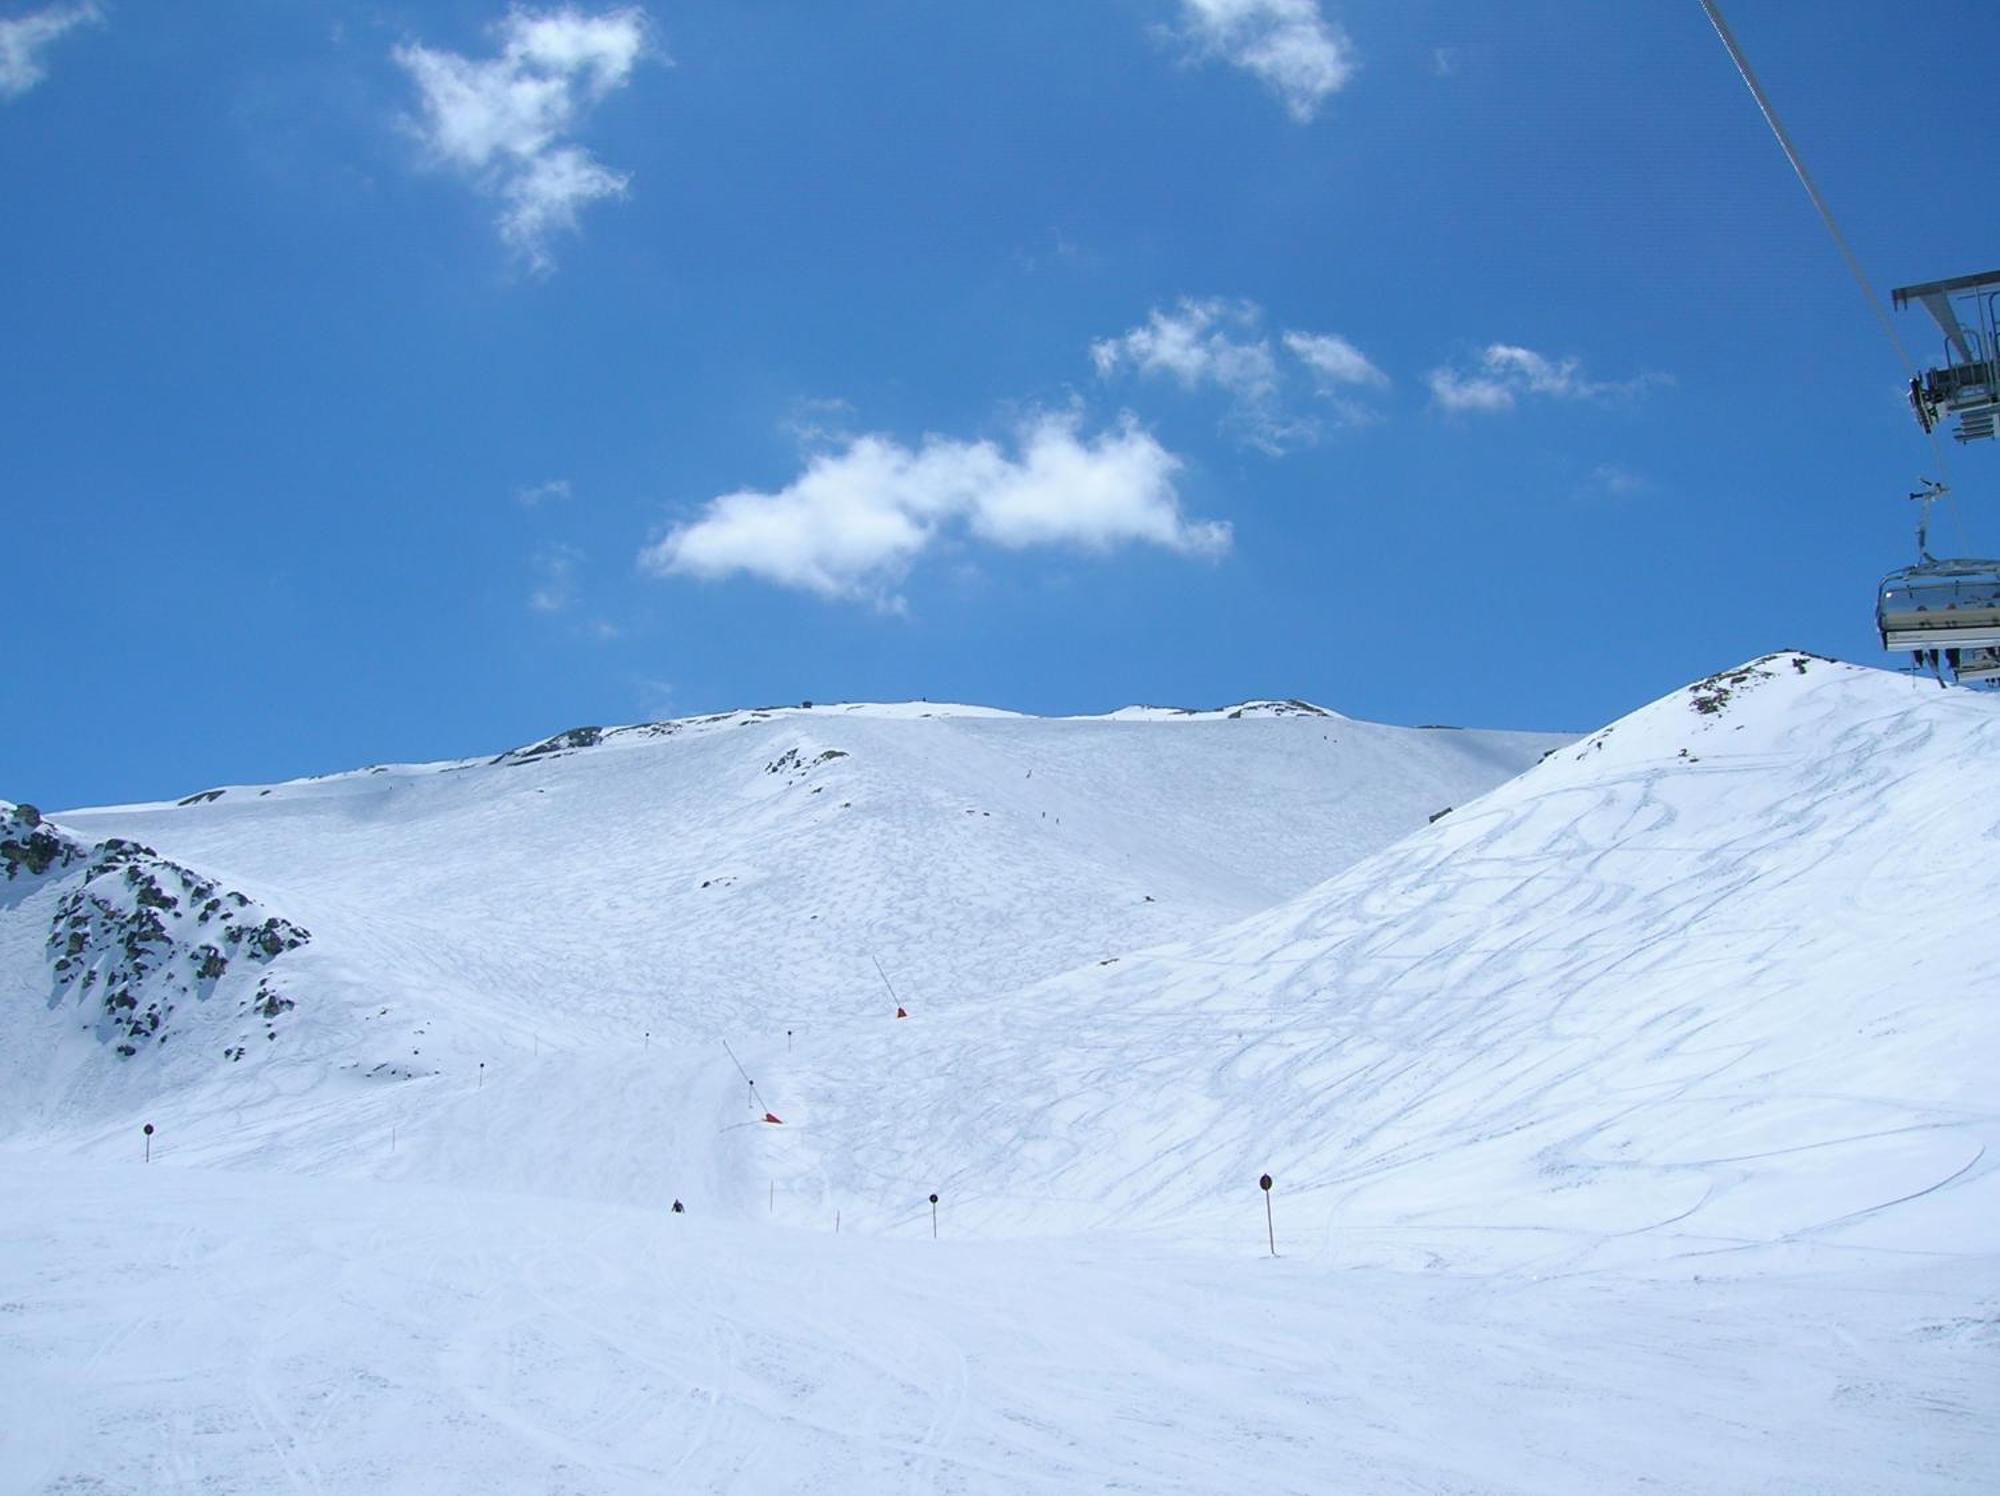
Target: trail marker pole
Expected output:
[1270,1231]
[836,1223]
[886,983]
[149,1142]
[482,1077]
[649,1039]
[934,1216]
[788,1041]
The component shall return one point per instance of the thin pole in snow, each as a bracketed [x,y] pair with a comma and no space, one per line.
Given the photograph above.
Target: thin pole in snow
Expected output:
[836,1223]
[149,1142]
[894,1000]
[1270,1231]
[482,1077]
[788,1041]
[649,1039]
[933,1216]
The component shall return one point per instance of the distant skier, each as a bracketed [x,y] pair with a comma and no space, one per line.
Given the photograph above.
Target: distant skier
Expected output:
[679,1209]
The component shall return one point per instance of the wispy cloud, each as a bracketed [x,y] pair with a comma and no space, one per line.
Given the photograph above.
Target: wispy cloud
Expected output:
[1195,343]
[656,697]
[505,121]
[820,420]
[1290,45]
[1609,480]
[1505,373]
[856,520]
[1335,360]
[535,495]
[23,40]
[555,568]
[1221,344]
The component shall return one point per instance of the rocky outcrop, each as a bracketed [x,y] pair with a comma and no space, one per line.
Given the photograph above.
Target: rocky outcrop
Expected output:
[135,937]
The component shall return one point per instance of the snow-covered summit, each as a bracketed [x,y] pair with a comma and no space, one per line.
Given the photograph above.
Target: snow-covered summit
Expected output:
[1716,976]
[732,873]
[1238,712]
[1630,1121]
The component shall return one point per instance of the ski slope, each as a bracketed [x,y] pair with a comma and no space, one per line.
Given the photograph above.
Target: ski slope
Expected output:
[1632,1124]
[1710,978]
[732,876]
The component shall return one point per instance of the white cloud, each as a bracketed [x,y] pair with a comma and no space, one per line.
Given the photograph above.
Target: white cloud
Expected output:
[1334,359]
[1198,342]
[1454,391]
[1505,372]
[552,492]
[1299,54]
[503,121]
[555,578]
[855,521]
[23,39]
[1221,344]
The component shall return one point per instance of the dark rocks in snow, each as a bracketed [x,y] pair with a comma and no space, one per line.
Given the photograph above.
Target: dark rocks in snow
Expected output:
[572,741]
[269,1002]
[1290,707]
[795,766]
[1712,696]
[126,928]
[30,845]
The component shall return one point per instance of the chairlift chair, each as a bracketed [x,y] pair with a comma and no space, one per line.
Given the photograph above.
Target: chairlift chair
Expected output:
[1940,605]
[1979,667]
[1967,384]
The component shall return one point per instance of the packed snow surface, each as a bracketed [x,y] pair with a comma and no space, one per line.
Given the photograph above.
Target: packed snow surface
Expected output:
[1630,1124]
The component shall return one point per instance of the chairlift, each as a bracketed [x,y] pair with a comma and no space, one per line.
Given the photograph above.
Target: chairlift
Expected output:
[1978,667]
[1940,605]
[1967,384]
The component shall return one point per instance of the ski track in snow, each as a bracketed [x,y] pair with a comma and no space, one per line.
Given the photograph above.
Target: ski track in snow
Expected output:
[1632,1124]
[377,1338]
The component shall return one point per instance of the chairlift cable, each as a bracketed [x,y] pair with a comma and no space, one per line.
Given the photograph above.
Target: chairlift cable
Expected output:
[1847,254]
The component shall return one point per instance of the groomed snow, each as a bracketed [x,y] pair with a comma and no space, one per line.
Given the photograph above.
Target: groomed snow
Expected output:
[1631,1124]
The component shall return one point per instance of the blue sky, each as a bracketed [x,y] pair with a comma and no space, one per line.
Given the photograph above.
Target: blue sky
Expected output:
[406,380]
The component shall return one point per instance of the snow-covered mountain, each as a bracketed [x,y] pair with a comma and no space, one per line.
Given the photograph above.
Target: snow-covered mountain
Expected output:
[1718,975]
[731,875]
[1631,1123]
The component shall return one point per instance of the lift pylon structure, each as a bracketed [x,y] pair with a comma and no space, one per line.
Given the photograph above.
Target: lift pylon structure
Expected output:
[1967,384]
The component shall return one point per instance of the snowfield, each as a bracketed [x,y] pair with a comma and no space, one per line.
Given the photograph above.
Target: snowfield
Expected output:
[1632,1124]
